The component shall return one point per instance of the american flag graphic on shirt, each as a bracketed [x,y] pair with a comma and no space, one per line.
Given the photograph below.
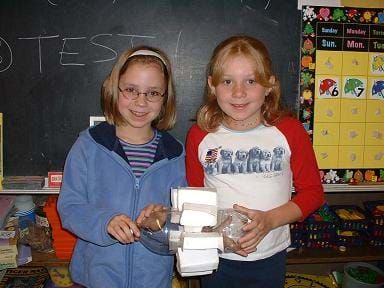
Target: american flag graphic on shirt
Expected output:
[211,155]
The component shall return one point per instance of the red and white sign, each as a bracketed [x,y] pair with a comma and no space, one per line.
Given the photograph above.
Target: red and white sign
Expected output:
[55,179]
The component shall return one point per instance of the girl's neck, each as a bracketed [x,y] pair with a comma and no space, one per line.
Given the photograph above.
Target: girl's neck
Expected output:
[134,136]
[241,125]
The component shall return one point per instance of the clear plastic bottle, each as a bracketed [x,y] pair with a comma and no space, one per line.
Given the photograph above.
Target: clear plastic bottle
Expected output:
[230,225]
[160,232]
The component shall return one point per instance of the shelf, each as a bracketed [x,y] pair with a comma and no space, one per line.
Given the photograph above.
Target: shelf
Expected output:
[327,255]
[334,188]
[297,256]
[40,191]
[328,188]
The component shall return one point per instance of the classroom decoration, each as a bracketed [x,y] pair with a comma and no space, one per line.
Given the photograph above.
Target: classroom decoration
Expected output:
[342,91]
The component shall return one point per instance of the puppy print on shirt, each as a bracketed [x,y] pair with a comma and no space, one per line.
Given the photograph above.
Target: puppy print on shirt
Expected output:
[254,158]
[277,158]
[224,165]
[240,162]
[210,168]
[265,161]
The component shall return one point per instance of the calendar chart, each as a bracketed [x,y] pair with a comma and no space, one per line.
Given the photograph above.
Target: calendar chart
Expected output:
[342,91]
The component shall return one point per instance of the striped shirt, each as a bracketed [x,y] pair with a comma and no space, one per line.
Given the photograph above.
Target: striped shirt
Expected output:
[140,156]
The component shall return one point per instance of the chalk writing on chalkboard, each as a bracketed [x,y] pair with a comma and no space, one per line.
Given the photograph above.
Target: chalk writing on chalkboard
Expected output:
[71,57]
[5,58]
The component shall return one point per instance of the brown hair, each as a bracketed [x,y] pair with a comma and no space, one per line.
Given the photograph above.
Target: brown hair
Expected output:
[210,116]
[110,89]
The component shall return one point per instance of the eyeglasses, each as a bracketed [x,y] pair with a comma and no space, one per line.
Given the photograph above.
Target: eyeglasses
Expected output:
[132,94]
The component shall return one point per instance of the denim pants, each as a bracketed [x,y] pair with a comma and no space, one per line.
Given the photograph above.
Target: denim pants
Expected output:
[264,273]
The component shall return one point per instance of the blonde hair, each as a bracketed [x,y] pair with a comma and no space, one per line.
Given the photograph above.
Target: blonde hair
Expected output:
[210,116]
[110,88]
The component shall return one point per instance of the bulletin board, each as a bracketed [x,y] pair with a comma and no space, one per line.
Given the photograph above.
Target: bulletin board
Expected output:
[342,91]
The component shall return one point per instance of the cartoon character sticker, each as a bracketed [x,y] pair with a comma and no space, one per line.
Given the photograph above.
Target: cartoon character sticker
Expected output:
[378,89]
[355,87]
[329,87]
[377,64]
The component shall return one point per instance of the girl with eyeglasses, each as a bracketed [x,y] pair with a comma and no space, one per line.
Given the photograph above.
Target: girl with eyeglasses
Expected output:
[121,170]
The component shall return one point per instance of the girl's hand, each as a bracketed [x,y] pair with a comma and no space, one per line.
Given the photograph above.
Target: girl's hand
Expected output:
[255,230]
[123,229]
[152,217]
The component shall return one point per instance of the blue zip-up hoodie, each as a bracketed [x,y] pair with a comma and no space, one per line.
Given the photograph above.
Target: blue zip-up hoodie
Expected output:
[98,184]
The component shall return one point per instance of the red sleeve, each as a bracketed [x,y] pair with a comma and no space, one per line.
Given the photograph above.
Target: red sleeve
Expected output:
[306,179]
[194,169]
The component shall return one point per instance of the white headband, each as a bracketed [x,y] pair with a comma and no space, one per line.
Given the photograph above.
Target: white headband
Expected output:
[150,53]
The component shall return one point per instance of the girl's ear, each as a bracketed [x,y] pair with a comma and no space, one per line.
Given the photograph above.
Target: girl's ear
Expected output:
[272,80]
[211,87]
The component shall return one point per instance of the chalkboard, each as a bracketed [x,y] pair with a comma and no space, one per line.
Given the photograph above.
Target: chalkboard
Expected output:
[55,54]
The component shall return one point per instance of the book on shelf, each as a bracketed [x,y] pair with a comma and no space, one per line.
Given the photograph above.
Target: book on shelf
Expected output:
[10,259]
[8,255]
[8,245]
[6,263]
[23,182]
[9,236]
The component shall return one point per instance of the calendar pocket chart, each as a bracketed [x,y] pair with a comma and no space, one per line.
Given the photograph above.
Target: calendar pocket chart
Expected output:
[342,90]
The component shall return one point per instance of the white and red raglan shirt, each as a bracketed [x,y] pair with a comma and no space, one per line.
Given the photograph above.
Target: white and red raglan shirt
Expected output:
[257,169]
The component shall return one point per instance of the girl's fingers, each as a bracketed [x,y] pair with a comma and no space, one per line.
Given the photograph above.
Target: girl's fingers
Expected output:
[123,229]
[242,210]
